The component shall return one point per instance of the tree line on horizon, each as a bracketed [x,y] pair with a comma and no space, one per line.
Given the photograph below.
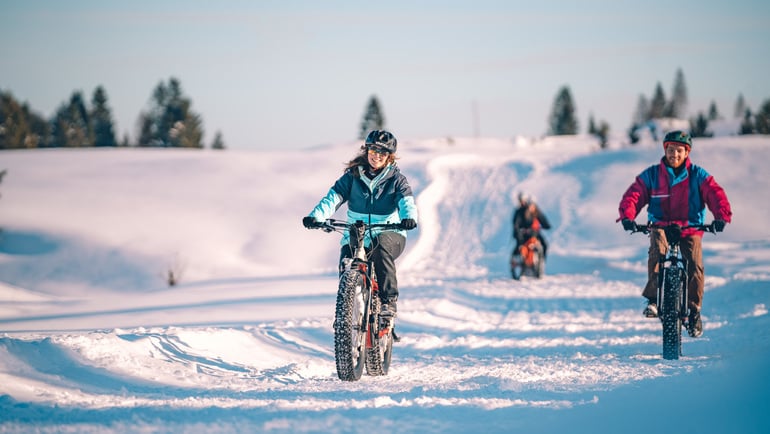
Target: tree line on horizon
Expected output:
[169,121]
[563,119]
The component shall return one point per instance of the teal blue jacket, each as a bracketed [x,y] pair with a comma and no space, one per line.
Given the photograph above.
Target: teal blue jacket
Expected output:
[387,198]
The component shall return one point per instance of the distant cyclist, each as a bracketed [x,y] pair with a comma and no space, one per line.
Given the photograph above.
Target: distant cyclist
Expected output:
[529,220]
[676,191]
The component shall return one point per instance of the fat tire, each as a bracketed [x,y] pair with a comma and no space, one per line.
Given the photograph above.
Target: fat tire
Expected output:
[517,268]
[540,263]
[379,354]
[349,339]
[671,317]
[516,272]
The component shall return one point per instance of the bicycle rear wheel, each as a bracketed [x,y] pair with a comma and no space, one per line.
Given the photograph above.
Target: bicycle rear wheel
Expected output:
[378,355]
[350,326]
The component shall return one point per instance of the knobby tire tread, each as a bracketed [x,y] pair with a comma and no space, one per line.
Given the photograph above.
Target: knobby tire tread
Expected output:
[349,359]
[378,358]
[671,317]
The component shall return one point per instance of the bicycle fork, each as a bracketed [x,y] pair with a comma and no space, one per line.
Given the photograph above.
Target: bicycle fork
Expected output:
[672,262]
[373,323]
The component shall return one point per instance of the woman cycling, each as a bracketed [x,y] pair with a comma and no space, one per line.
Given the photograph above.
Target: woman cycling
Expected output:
[376,192]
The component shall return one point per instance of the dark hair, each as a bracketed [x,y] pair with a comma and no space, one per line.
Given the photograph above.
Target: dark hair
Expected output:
[361,159]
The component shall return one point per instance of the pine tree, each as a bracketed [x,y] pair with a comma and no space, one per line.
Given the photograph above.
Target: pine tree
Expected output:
[71,126]
[562,120]
[591,125]
[642,113]
[713,112]
[188,132]
[633,135]
[13,124]
[39,129]
[677,107]
[762,119]
[603,134]
[658,104]
[218,143]
[145,137]
[170,120]
[740,107]
[20,127]
[747,125]
[373,119]
[101,119]
[699,126]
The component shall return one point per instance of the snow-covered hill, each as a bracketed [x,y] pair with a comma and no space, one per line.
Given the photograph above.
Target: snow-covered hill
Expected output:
[92,338]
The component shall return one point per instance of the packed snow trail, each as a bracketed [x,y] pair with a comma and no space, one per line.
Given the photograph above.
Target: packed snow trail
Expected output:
[253,350]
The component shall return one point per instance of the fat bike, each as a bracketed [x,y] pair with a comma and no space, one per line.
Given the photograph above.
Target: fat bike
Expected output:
[673,310]
[528,260]
[363,335]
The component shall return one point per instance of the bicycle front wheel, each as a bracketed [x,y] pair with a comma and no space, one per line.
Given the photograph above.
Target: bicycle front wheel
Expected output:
[516,267]
[350,326]
[539,265]
[670,315]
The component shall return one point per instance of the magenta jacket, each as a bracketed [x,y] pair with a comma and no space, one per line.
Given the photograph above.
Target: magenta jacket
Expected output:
[675,198]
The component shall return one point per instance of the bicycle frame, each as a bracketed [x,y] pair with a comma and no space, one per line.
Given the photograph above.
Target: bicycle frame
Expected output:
[528,251]
[528,260]
[672,262]
[361,264]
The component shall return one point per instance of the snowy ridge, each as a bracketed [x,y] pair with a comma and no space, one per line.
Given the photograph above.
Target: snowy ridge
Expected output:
[91,339]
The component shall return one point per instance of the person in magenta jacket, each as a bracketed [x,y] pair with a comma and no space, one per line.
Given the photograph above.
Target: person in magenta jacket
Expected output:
[676,191]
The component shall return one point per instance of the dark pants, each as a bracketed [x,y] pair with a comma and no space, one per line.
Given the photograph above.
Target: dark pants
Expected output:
[690,247]
[383,253]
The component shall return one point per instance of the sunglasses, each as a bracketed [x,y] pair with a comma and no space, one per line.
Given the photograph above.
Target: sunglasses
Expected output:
[377,150]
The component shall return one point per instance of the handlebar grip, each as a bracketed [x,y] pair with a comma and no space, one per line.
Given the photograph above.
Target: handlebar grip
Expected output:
[643,229]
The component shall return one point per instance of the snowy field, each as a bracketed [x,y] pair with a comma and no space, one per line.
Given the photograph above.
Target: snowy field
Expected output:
[93,340]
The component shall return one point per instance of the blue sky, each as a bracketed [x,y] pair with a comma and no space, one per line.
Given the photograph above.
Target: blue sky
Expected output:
[293,74]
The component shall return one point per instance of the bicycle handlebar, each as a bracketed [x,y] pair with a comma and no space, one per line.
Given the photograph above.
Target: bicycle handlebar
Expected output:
[332,225]
[645,229]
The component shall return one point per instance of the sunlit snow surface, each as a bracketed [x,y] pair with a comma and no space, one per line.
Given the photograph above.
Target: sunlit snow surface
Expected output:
[91,338]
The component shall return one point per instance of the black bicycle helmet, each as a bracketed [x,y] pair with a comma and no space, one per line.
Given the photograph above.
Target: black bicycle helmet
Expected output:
[382,139]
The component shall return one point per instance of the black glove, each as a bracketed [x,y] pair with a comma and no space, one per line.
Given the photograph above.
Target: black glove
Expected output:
[309,222]
[719,225]
[629,225]
[408,224]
